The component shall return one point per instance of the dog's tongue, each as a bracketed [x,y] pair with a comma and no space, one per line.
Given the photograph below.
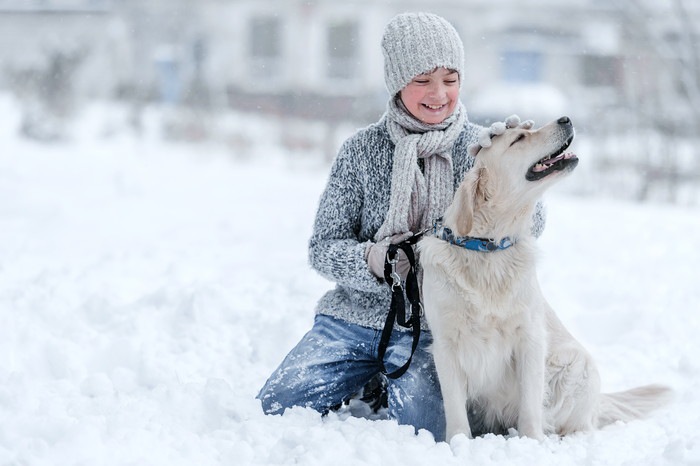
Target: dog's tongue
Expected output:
[545,164]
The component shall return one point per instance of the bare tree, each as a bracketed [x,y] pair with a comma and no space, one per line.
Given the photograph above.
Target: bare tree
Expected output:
[47,92]
[663,105]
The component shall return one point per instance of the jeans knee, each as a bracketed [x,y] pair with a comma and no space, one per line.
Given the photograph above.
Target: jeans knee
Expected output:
[269,402]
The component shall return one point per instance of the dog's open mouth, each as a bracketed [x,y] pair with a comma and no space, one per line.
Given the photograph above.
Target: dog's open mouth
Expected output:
[554,162]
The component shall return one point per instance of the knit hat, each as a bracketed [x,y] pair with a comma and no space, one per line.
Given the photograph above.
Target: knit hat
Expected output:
[416,43]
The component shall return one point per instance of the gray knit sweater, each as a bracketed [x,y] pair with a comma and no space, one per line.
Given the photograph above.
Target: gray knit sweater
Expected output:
[351,210]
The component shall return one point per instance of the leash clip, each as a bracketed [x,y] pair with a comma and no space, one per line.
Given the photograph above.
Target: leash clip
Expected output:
[437,225]
[395,277]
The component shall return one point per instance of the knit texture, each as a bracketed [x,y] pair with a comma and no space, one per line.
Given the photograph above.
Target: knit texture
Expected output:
[352,207]
[419,196]
[416,43]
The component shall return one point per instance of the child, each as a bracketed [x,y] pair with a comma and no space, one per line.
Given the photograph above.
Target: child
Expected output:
[389,180]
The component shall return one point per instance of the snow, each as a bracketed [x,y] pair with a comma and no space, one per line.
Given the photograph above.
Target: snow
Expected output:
[147,290]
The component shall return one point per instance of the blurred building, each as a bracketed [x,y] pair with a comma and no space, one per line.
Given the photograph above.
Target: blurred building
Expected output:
[43,42]
[626,71]
[321,59]
[324,57]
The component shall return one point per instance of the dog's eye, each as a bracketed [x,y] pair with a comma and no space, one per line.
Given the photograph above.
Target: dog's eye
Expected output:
[519,138]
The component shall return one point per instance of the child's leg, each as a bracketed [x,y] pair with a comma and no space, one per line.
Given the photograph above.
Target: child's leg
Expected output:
[415,398]
[332,362]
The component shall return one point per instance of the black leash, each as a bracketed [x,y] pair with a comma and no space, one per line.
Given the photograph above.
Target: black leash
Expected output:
[399,295]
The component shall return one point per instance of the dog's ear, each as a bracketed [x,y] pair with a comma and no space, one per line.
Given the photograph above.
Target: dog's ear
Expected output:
[460,214]
[481,192]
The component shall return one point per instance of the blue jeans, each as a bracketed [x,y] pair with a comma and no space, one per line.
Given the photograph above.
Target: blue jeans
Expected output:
[335,360]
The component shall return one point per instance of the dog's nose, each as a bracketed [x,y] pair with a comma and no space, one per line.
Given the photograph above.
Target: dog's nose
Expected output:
[564,120]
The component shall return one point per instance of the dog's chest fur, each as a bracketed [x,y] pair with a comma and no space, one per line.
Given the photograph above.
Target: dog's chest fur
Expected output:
[480,309]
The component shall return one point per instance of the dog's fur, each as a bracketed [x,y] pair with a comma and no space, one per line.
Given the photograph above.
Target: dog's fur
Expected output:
[500,350]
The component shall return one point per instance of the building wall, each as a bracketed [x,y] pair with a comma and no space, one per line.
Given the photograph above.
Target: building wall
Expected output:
[550,34]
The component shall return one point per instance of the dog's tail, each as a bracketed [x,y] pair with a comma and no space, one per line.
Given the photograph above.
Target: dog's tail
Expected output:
[632,404]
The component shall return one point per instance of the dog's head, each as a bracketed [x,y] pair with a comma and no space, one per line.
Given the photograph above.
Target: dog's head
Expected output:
[509,177]
[534,155]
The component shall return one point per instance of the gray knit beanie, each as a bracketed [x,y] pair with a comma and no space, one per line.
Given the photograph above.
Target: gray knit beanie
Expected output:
[415,43]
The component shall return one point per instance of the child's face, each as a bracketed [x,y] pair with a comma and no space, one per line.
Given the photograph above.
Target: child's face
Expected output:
[432,97]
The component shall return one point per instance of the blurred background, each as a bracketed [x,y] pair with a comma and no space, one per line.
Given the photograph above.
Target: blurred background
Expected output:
[299,76]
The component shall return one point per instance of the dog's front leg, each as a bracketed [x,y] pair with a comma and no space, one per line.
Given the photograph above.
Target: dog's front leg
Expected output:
[453,386]
[530,373]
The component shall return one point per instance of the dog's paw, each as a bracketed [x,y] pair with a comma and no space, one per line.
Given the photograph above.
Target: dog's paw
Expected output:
[463,433]
[460,445]
[530,431]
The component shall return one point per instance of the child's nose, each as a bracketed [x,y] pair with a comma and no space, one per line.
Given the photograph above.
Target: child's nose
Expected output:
[436,88]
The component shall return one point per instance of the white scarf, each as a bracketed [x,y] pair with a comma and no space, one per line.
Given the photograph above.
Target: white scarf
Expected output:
[418,198]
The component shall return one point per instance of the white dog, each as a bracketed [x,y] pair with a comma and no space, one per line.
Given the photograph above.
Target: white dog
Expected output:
[499,349]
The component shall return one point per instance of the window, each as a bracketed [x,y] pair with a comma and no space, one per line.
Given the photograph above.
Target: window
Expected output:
[522,66]
[342,42]
[266,45]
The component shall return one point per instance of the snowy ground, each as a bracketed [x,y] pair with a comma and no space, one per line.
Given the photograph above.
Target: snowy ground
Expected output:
[147,290]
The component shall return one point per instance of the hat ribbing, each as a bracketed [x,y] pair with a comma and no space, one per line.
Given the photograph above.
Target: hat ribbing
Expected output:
[415,43]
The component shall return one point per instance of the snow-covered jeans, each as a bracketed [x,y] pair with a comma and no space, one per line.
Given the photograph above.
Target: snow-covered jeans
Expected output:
[335,360]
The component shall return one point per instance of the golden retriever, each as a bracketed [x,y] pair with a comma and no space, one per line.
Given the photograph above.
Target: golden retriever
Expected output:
[500,350]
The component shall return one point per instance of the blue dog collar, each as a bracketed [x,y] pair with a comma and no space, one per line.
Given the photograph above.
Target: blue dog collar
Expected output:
[470,242]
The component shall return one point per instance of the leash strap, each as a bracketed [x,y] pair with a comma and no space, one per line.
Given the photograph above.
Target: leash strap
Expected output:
[397,311]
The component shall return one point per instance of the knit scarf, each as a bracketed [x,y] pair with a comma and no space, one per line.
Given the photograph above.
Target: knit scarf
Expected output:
[419,197]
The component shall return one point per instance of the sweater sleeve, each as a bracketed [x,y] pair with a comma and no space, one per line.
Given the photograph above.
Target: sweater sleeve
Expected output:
[335,251]
[539,218]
